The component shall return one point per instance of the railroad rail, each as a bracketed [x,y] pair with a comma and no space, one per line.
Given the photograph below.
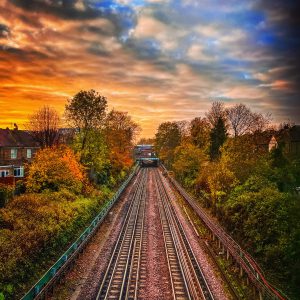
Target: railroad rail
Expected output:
[245,261]
[187,279]
[121,278]
[47,282]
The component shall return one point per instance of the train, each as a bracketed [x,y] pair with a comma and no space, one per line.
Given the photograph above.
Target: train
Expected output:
[145,156]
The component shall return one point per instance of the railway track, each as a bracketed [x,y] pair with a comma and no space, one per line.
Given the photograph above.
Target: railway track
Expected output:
[187,279]
[127,268]
[122,275]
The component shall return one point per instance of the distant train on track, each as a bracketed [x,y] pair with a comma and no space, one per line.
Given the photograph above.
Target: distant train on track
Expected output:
[145,156]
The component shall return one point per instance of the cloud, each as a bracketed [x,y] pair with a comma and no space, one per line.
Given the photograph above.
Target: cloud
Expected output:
[158,59]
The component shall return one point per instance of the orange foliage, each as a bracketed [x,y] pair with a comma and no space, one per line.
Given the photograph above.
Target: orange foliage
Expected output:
[54,169]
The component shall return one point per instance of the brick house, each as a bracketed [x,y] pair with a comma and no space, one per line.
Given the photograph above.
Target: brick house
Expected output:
[17,147]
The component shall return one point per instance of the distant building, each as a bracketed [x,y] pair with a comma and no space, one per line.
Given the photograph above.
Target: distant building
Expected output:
[288,139]
[17,147]
[273,143]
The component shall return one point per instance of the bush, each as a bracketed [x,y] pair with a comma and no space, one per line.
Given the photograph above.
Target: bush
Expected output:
[266,221]
[6,194]
[55,169]
[35,228]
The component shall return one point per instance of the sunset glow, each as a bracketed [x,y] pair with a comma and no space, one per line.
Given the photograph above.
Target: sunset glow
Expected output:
[158,60]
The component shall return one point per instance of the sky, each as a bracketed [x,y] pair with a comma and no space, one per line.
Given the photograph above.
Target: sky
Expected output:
[159,60]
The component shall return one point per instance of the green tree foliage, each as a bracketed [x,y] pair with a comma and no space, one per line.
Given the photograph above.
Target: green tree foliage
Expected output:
[187,163]
[167,138]
[220,182]
[95,155]
[218,136]
[251,191]
[86,111]
[34,230]
[267,222]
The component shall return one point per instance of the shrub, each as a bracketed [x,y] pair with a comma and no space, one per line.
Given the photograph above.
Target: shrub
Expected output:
[55,169]
[6,194]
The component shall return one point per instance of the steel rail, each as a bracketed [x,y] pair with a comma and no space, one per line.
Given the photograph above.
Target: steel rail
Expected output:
[207,294]
[54,274]
[178,281]
[194,279]
[116,277]
[132,288]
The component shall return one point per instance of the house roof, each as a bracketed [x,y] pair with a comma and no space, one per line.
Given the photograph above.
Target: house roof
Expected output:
[291,134]
[294,133]
[16,138]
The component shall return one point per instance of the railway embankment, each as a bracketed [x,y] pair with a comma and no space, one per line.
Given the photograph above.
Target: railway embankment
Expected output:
[146,252]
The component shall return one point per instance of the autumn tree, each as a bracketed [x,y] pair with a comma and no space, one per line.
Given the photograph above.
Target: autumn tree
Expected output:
[242,120]
[146,141]
[44,126]
[200,132]
[55,169]
[187,163]
[86,111]
[120,133]
[167,138]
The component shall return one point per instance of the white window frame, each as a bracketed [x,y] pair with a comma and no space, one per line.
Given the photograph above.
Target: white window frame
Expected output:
[13,153]
[29,153]
[21,169]
[4,172]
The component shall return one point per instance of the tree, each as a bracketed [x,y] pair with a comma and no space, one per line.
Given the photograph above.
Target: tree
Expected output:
[120,132]
[218,136]
[200,131]
[216,112]
[242,120]
[187,163]
[44,126]
[146,141]
[86,111]
[241,156]
[95,155]
[55,169]
[167,138]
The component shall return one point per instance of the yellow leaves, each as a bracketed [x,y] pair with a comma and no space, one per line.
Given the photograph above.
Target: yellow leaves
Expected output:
[54,169]
[74,166]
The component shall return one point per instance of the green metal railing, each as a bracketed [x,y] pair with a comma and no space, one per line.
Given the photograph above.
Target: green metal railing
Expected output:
[53,272]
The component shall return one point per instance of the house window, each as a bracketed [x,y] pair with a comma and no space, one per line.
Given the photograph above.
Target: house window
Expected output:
[13,153]
[29,153]
[19,172]
[4,173]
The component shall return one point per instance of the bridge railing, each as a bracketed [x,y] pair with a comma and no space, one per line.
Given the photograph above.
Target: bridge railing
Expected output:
[47,280]
[246,262]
